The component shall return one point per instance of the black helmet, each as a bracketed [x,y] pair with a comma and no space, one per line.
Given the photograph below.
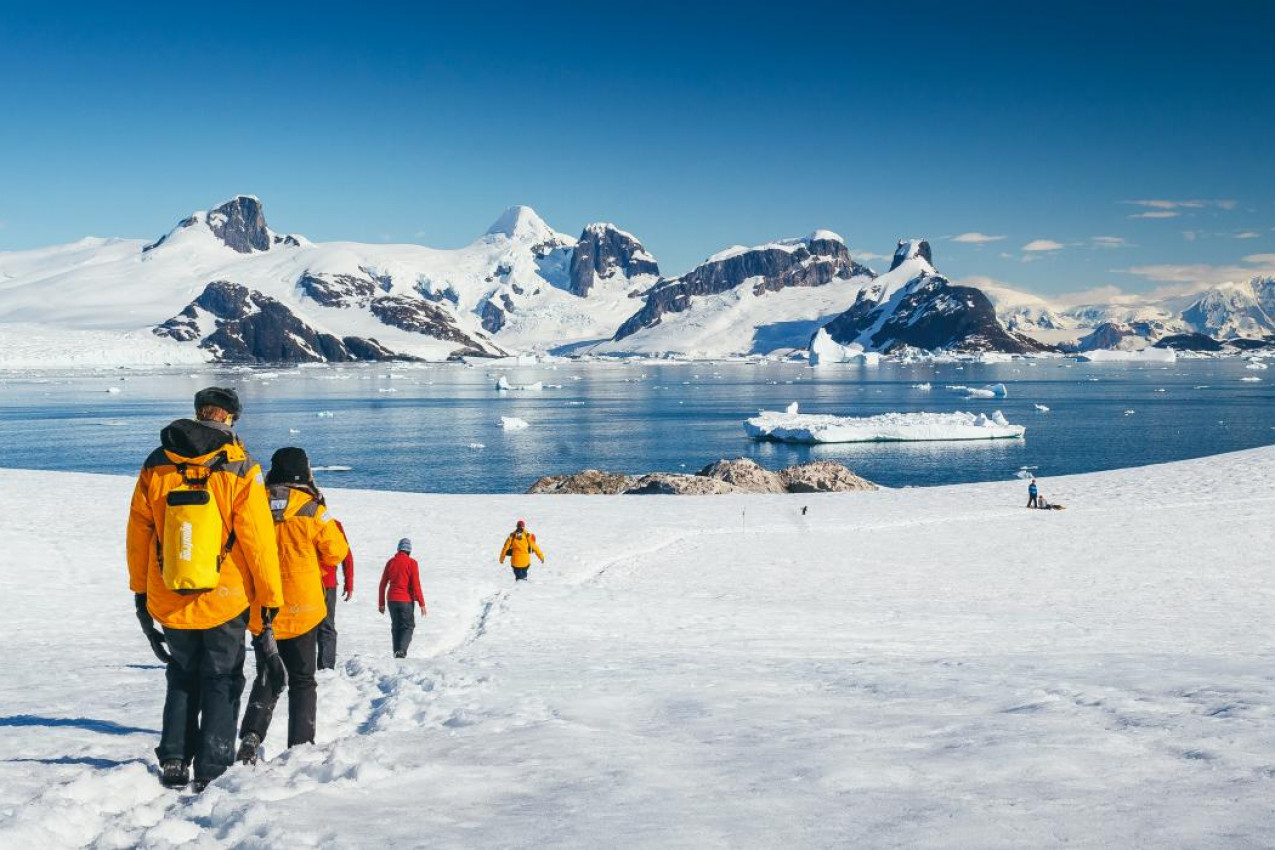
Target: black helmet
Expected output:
[223,397]
[289,465]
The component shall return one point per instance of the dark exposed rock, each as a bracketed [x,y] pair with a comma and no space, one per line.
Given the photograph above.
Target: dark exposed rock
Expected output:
[810,262]
[725,476]
[822,476]
[592,482]
[250,327]
[909,248]
[1250,344]
[1190,342]
[744,474]
[929,312]
[1106,336]
[240,224]
[602,252]
[337,290]
[416,315]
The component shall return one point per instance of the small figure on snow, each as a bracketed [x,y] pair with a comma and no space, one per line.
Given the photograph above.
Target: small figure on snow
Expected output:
[518,548]
[403,578]
[327,629]
[1033,495]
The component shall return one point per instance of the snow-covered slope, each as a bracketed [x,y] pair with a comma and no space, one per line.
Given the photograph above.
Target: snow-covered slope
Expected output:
[746,300]
[918,667]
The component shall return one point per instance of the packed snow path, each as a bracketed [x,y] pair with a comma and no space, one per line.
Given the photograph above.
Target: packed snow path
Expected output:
[932,667]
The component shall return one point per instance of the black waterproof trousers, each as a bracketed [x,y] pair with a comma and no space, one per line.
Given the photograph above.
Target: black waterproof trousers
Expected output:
[402,624]
[520,573]
[298,656]
[327,631]
[205,684]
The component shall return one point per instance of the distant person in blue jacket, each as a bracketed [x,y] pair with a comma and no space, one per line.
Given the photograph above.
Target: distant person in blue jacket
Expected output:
[1032,495]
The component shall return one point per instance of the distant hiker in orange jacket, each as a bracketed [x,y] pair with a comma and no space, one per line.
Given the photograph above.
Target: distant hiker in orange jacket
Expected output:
[518,548]
[403,578]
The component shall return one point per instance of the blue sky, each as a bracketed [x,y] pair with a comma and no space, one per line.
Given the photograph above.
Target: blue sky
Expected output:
[695,126]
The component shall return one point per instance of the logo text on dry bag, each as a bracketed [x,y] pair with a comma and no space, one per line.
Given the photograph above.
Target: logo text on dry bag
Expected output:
[188,541]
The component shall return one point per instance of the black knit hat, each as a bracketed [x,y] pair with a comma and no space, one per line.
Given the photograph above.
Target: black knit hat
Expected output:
[289,466]
[223,397]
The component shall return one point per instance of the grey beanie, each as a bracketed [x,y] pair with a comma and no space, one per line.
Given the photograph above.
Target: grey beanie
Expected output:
[405,545]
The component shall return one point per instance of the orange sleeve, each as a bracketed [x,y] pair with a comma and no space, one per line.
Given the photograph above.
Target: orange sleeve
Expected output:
[330,543]
[141,534]
[254,535]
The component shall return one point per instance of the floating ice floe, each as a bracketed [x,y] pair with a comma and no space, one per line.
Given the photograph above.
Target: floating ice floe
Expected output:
[793,409]
[333,468]
[1256,365]
[1146,355]
[925,387]
[1042,408]
[112,389]
[886,428]
[503,385]
[990,391]
[1253,379]
[294,430]
[477,446]
[324,414]
[513,423]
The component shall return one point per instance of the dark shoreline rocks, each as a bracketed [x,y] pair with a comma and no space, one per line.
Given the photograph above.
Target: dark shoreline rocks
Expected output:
[723,477]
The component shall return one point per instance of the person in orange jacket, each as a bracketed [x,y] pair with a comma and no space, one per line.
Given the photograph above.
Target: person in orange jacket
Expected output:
[327,629]
[307,537]
[402,577]
[202,644]
[518,548]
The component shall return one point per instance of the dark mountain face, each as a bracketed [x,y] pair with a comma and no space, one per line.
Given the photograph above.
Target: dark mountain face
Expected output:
[812,262]
[909,248]
[604,252]
[254,328]
[240,223]
[928,313]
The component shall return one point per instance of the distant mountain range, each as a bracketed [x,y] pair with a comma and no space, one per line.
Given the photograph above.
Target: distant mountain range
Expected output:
[222,285]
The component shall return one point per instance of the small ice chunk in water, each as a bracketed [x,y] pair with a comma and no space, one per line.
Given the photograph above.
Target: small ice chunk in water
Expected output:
[513,423]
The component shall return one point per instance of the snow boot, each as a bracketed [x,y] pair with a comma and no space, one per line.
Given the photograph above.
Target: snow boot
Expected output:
[173,773]
[199,785]
[249,748]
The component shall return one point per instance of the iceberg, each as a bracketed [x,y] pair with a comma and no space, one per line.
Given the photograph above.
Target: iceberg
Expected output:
[824,349]
[886,428]
[513,423]
[503,385]
[1146,355]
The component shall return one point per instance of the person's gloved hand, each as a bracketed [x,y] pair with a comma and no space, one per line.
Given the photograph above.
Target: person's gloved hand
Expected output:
[270,665]
[349,594]
[153,634]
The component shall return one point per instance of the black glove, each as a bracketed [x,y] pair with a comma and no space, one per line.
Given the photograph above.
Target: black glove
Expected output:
[269,664]
[153,634]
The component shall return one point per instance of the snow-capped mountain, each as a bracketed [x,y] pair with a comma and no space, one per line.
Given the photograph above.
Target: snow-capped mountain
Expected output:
[913,306]
[746,300]
[223,285]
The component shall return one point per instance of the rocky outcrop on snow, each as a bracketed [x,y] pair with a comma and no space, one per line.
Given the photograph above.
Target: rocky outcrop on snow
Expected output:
[913,306]
[239,224]
[1110,336]
[722,477]
[1190,342]
[822,476]
[605,253]
[814,261]
[418,316]
[240,325]
[337,290]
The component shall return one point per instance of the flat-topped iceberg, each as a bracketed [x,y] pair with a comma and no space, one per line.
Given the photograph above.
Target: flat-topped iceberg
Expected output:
[886,428]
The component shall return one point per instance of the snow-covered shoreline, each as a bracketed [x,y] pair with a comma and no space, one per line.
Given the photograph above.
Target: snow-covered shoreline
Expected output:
[921,667]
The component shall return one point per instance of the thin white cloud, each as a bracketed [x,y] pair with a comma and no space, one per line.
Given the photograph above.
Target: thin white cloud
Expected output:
[1109,242]
[976,238]
[1043,245]
[1194,204]
[1248,234]
[869,256]
[1157,214]
[1197,275]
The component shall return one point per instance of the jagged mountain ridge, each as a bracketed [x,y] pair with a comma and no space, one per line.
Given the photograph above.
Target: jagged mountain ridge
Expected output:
[522,286]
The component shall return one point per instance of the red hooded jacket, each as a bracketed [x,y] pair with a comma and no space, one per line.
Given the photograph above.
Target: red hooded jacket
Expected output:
[402,576]
[347,566]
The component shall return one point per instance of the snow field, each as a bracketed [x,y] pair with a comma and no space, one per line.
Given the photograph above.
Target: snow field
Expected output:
[924,667]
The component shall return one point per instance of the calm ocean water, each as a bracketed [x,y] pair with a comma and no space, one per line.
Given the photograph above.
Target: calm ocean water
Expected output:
[436,428]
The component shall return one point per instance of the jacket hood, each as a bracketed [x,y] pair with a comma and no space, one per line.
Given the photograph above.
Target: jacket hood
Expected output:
[190,439]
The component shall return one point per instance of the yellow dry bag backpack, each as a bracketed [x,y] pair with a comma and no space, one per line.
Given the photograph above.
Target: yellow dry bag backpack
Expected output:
[192,551]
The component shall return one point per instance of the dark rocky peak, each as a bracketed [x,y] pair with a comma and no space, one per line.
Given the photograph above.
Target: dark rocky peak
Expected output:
[909,248]
[603,252]
[239,224]
[816,260]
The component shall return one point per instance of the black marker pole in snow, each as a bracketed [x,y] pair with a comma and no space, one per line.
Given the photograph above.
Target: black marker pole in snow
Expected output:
[743,520]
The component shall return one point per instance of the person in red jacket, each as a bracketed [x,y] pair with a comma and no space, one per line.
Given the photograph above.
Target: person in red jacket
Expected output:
[327,629]
[403,577]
